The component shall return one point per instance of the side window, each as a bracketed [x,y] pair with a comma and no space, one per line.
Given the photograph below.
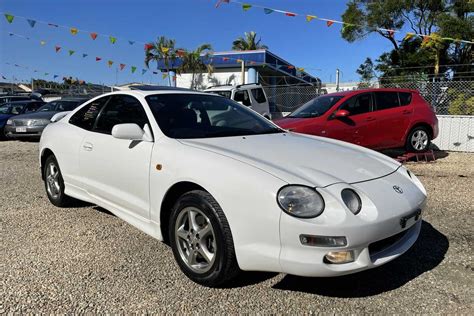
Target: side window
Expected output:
[259,95]
[242,96]
[405,98]
[85,117]
[120,109]
[358,104]
[386,100]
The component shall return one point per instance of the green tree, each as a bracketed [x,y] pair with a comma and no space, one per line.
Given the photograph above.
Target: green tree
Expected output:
[366,72]
[248,42]
[161,50]
[194,62]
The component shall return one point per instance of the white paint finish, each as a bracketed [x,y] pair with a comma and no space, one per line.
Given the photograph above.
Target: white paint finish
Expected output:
[456,133]
[244,175]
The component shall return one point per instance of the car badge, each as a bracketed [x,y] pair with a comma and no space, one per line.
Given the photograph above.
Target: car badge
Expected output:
[398,189]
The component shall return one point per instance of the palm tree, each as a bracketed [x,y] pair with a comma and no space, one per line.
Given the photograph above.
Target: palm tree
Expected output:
[248,43]
[194,62]
[162,49]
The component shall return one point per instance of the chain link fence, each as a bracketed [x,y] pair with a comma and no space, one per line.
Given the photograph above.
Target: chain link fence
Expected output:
[70,89]
[446,97]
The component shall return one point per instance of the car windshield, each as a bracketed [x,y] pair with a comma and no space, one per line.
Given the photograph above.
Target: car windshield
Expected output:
[6,109]
[59,106]
[11,108]
[316,107]
[224,93]
[206,116]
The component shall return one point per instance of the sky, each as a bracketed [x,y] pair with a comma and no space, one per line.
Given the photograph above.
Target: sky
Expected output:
[314,46]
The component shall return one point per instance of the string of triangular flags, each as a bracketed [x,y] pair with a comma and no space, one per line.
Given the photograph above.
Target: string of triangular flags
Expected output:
[112,39]
[40,73]
[329,22]
[59,48]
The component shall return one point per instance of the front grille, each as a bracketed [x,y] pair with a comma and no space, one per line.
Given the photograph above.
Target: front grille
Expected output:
[381,245]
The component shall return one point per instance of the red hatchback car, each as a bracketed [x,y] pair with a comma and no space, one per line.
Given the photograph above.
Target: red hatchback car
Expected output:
[373,118]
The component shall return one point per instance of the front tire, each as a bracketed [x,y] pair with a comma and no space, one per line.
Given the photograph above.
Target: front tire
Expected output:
[418,140]
[54,183]
[201,239]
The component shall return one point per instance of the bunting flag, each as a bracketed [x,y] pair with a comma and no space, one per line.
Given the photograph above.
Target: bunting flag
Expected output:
[98,59]
[53,25]
[165,49]
[32,23]
[9,17]
[225,58]
[133,68]
[329,22]
[93,36]
[57,48]
[246,6]
[4,78]
[155,72]
[290,14]
[110,63]
[42,43]
[84,55]
[239,60]
[221,1]
[164,75]
[122,66]
[131,42]
[71,52]
[309,18]
[291,67]
[73,31]
[144,71]
[46,73]
[180,52]
[112,39]
[408,36]
[148,46]
[268,10]
[301,69]
[11,34]
[391,33]
[55,76]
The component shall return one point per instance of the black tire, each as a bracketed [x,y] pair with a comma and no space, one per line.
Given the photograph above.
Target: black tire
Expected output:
[411,145]
[60,199]
[224,267]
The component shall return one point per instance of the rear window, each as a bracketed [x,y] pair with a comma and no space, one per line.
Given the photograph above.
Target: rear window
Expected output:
[386,100]
[405,98]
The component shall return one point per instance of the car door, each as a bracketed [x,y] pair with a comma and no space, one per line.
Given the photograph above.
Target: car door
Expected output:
[117,170]
[392,118]
[353,128]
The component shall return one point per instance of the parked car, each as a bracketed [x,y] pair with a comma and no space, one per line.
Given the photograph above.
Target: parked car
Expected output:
[12,98]
[31,125]
[251,95]
[373,118]
[11,109]
[230,195]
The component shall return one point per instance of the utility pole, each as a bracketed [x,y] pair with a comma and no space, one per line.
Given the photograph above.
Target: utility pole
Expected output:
[243,71]
[337,79]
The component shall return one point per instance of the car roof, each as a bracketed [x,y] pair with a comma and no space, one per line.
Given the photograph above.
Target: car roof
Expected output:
[162,90]
[24,102]
[353,92]
[231,87]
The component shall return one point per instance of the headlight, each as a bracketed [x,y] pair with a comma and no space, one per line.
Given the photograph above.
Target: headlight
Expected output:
[352,200]
[300,201]
[9,122]
[38,122]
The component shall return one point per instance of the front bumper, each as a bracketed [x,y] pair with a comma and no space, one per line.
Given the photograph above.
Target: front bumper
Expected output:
[376,235]
[23,131]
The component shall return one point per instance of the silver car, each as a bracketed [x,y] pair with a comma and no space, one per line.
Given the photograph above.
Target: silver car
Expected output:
[31,125]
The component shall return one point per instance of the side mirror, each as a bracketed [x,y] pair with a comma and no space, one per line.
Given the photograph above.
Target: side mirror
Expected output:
[128,131]
[341,114]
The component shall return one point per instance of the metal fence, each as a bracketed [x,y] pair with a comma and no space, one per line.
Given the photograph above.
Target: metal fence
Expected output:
[73,89]
[446,97]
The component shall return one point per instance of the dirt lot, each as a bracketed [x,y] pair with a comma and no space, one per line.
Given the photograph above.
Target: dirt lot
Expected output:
[85,259]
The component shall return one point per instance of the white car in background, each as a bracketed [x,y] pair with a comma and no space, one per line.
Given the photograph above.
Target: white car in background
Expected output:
[251,95]
[231,194]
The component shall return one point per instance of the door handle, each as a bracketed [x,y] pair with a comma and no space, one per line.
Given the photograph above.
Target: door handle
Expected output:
[87,146]
[369,119]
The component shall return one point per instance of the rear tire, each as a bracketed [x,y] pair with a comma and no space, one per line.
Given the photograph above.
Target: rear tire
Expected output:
[201,239]
[418,140]
[54,183]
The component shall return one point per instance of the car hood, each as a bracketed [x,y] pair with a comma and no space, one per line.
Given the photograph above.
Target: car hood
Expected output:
[37,115]
[302,159]
[4,117]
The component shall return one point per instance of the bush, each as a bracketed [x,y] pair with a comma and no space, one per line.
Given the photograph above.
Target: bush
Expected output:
[462,104]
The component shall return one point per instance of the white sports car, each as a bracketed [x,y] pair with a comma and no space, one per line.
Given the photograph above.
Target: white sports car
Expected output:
[229,190]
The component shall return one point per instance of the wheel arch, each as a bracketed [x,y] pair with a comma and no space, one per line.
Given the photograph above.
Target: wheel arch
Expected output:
[170,198]
[421,124]
[45,153]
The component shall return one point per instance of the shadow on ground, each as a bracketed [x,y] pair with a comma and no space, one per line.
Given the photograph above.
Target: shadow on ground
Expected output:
[427,253]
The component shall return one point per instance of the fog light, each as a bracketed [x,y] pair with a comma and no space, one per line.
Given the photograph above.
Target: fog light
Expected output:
[323,241]
[339,257]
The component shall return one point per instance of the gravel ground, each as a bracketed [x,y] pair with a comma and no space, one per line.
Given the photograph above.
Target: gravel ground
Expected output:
[87,260]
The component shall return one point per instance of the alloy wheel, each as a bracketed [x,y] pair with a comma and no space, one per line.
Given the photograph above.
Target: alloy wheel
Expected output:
[419,140]
[52,180]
